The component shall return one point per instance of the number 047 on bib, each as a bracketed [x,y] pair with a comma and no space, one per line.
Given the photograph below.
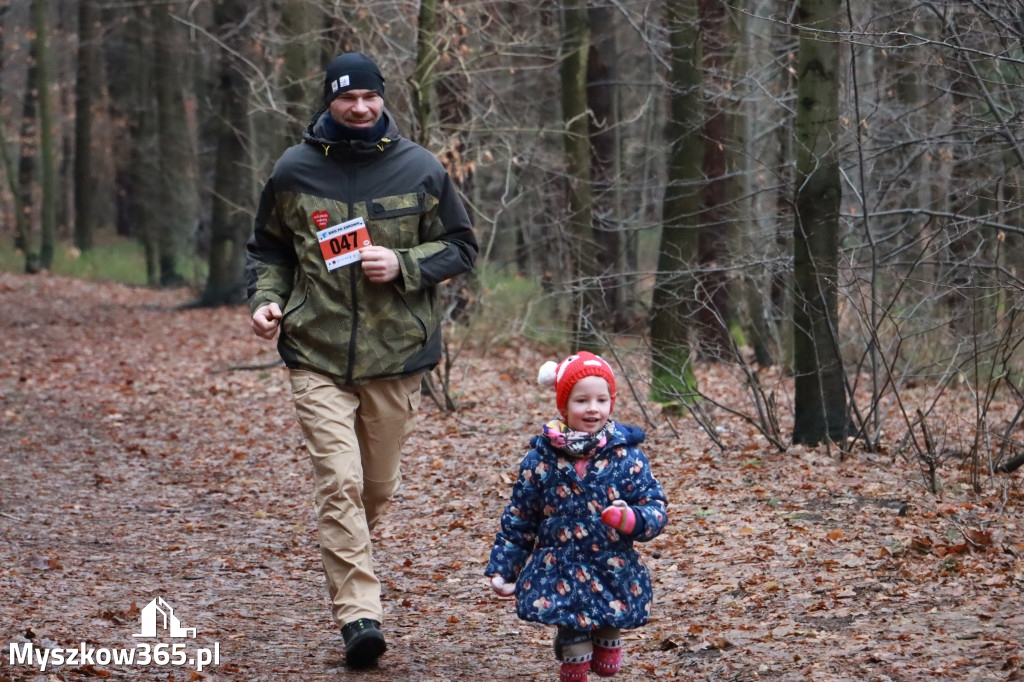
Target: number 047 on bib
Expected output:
[340,243]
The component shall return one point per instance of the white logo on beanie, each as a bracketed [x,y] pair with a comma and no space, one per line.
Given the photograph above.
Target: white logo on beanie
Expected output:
[340,83]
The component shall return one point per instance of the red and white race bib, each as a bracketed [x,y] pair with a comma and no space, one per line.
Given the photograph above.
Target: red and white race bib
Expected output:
[340,243]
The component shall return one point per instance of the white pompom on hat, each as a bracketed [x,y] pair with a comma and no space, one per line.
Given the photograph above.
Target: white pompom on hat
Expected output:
[546,375]
[564,375]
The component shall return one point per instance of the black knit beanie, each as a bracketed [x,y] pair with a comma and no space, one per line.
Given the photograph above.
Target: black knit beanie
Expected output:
[351,71]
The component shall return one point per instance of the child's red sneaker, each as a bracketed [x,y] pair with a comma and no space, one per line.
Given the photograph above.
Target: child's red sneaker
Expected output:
[574,672]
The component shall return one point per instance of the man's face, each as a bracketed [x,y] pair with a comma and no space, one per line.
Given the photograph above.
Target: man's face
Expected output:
[357,108]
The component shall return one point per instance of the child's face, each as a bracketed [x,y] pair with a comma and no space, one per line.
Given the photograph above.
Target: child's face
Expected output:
[589,405]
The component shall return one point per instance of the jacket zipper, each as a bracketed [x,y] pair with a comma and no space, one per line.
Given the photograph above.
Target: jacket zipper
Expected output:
[355,314]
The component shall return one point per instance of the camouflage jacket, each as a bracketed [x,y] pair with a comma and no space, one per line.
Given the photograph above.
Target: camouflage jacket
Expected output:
[336,322]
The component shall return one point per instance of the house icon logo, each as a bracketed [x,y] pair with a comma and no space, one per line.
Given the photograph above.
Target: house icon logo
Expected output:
[160,612]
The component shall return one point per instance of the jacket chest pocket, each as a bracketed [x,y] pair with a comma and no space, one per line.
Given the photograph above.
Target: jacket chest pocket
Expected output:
[394,221]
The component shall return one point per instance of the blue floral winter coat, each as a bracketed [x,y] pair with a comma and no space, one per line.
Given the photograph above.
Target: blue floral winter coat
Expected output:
[570,568]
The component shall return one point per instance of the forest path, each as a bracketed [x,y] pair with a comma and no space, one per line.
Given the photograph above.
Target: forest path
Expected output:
[135,464]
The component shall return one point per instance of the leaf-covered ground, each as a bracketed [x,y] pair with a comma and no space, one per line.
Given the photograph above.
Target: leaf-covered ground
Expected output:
[138,461]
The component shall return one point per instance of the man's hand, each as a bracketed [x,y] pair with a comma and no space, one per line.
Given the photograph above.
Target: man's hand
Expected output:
[266,320]
[379,264]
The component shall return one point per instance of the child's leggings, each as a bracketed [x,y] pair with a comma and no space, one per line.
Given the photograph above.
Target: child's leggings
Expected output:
[577,646]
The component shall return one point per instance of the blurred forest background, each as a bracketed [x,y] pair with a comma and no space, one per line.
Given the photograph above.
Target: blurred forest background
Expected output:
[818,200]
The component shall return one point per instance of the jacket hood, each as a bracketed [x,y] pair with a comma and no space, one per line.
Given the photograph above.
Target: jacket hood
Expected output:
[630,435]
[316,135]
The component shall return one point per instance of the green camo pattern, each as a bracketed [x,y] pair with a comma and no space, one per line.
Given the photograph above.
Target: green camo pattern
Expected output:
[338,323]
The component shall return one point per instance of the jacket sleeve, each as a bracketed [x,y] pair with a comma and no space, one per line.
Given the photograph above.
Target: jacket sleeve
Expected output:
[447,245]
[647,499]
[270,255]
[519,524]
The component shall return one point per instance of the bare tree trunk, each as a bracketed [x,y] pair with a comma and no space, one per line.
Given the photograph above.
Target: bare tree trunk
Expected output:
[603,151]
[755,227]
[778,296]
[714,313]
[87,90]
[47,154]
[585,295]
[178,214]
[452,96]
[424,76]
[232,183]
[301,69]
[27,171]
[673,305]
[820,406]
[22,227]
[132,97]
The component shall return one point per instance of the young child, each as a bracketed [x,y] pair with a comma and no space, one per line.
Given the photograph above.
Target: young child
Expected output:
[584,495]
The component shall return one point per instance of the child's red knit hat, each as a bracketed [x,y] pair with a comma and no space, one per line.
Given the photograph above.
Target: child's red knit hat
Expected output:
[564,375]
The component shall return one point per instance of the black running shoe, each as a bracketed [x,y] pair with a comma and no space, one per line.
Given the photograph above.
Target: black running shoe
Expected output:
[364,643]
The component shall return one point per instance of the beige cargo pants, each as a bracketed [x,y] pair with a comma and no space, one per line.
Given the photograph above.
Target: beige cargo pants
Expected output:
[354,435]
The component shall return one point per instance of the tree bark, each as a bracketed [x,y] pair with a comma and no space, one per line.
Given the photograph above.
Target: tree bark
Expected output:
[22,227]
[231,222]
[47,154]
[27,167]
[87,89]
[820,407]
[673,305]
[176,192]
[424,75]
[132,100]
[576,144]
[601,93]
[714,313]
[301,69]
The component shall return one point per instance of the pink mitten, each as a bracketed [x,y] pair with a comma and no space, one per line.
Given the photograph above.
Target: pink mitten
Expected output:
[620,517]
[502,588]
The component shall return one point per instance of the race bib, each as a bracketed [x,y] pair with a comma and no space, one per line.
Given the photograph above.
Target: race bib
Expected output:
[340,243]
